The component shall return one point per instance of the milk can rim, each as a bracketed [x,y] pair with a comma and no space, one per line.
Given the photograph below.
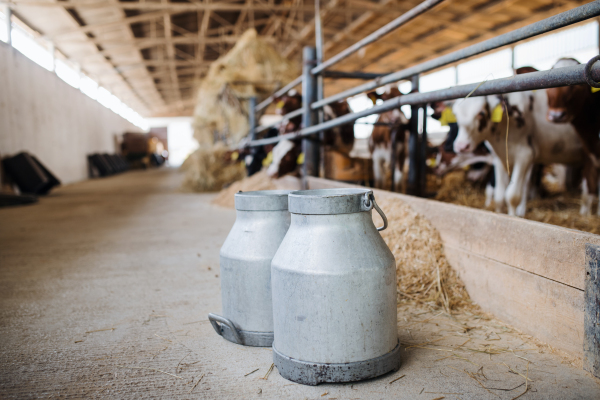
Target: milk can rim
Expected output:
[329,201]
[262,200]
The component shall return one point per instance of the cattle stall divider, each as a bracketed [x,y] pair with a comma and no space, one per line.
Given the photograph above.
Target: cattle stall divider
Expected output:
[315,70]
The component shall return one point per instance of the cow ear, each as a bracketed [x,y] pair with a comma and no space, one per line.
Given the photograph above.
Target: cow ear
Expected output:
[373,96]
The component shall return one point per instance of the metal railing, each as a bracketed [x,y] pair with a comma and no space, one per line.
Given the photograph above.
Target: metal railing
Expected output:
[531,81]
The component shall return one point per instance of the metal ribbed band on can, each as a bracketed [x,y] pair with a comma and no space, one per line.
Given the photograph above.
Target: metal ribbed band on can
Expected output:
[330,201]
[262,200]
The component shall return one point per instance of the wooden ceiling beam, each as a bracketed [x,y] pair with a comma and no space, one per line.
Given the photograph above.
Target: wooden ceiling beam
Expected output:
[217,6]
[149,42]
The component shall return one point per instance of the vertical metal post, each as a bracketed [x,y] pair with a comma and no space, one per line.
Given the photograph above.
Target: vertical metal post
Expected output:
[252,116]
[413,145]
[310,147]
[423,160]
[8,15]
[319,77]
[393,160]
[591,317]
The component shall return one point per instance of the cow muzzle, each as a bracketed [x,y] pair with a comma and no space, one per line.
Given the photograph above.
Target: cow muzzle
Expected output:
[462,147]
[557,115]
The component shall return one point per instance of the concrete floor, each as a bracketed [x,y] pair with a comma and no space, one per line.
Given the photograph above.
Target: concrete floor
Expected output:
[105,286]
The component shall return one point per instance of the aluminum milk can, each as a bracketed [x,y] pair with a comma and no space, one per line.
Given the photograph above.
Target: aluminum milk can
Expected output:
[334,291]
[261,223]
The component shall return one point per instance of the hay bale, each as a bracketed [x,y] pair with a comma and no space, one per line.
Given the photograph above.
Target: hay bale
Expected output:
[423,273]
[258,181]
[209,169]
[252,68]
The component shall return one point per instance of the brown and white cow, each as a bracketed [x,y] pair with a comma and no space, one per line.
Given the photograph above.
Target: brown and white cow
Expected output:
[531,140]
[286,153]
[380,141]
[579,106]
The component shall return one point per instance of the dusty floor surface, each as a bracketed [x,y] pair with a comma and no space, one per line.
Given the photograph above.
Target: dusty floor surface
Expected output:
[105,287]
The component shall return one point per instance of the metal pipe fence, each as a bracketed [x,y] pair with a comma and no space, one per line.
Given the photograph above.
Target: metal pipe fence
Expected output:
[534,80]
[314,70]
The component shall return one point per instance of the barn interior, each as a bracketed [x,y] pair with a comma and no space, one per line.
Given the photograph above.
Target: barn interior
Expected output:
[127,128]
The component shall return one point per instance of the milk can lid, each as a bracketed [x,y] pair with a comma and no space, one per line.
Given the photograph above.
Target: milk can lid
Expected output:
[330,201]
[262,200]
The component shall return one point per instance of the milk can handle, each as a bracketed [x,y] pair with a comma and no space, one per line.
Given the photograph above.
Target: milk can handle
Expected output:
[215,319]
[371,198]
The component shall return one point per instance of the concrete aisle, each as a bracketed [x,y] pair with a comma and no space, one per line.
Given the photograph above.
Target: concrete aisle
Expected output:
[105,287]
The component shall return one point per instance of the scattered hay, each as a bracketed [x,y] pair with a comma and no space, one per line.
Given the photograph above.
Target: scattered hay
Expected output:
[258,181]
[424,275]
[561,209]
[208,169]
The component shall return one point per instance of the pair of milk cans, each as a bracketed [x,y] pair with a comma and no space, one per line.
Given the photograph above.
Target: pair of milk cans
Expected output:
[308,273]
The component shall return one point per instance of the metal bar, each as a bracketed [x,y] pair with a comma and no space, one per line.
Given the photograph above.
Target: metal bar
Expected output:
[280,92]
[287,116]
[423,155]
[310,147]
[591,320]
[394,153]
[379,33]
[320,89]
[252,116]
[535,80]
[352,75]
[414,153]
[561,20]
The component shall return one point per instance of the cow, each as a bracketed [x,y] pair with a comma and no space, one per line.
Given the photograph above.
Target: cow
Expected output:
[285,104]
[380,141]
[531,140]
[340,138]
[579,106]
[287,154]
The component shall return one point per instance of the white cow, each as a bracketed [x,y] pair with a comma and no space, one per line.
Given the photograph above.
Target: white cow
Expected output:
[531,140]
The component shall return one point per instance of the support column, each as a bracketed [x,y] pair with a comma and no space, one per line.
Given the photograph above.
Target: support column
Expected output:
[423,155]
[310,145]
[591,319]
[414,154]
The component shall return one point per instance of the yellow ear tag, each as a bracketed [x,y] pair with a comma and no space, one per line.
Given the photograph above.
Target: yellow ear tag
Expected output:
[595,89]
[268,159]
[235,155]
[280,104]
[300,159]
[497,113]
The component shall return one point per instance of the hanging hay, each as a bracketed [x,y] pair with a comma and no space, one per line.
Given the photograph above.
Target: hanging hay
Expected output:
[423,273]
[258,181]
[253,67]
[209,169]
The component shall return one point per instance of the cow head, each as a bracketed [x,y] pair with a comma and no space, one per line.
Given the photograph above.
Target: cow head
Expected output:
[287,103]
[564,101]
[285,156]
[390,92]
[473,118]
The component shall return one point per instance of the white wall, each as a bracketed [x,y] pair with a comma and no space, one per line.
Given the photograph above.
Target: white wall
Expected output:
[43,115]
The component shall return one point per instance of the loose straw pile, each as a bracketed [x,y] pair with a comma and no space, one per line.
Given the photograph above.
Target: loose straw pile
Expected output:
[423,273]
